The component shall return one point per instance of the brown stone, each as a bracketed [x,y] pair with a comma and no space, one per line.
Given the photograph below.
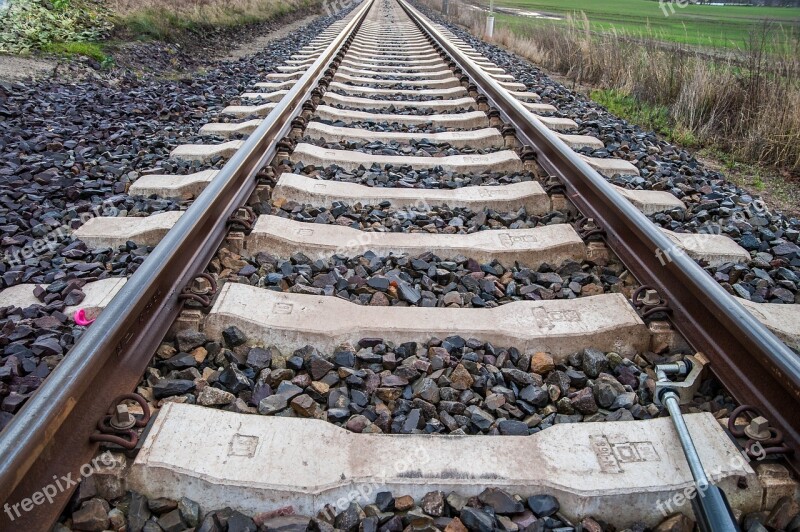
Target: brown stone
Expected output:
[591,289]
[92,516]
[404,503]
[320,387]
[199,354]
[675,523]
[389,394]
[590,525]
[305,406]
[542,363]
[379,299]
[455,526]
[460,379]
[230,260]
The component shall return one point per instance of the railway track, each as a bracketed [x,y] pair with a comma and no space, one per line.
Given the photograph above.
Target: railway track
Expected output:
[405,239]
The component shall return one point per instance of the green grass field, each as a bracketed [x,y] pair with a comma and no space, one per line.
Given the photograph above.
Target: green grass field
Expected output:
[699,25]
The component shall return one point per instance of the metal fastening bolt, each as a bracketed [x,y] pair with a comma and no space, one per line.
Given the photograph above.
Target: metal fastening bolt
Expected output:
[122,418]
[758,429]
[651,298]
[200,285]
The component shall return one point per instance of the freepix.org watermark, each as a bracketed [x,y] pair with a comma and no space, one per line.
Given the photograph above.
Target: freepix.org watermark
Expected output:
[736,461]
[50,241]
[59,485]
[695,240]
[668,7]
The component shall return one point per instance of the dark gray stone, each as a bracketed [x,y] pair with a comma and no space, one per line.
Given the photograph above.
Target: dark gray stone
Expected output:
[543,505]
[233,336]
[500,501]
[476,520]
[170,387]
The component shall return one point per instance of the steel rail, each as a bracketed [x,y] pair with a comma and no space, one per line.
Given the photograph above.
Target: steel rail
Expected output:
[49,437]
[755,366]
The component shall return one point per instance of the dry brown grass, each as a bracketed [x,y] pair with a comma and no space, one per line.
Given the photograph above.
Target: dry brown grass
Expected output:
[164,19]
[213,10]
[747,103]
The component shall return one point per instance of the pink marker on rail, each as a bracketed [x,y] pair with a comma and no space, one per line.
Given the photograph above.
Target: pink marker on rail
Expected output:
[81,319]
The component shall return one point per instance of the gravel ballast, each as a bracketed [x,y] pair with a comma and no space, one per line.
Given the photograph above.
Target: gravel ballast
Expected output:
[450,386]
[69,150]
[493,509]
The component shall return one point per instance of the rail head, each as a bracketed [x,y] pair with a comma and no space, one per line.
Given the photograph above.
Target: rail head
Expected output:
[50,434]
[756,367]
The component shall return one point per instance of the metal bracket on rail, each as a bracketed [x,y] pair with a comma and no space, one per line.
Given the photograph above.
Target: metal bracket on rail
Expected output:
[647,302]
[117,427]
[530,162]
[554,186]
[316,97]
[588,229]
[495,120]
[298,126]
[308,109]
[762,439]
[244,217]
[200,290]
[282,150]
[710,505]
[325,80]
[691,368]
[509,133]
